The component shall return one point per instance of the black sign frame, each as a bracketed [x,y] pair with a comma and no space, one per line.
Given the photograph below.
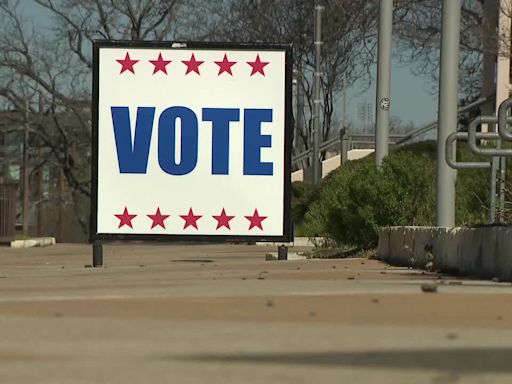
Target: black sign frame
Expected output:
[287,235]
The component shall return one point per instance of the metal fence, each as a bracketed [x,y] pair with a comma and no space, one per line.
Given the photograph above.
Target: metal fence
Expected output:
[497,155]
[347,140]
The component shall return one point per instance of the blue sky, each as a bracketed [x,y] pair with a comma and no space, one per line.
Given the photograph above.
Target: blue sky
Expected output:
[411,97]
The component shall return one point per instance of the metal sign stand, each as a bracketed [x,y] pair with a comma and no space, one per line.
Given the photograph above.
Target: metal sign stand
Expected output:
[139,180]
[97,254]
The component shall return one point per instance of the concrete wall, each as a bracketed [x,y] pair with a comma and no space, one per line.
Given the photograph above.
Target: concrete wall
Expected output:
[356,154]
[298,175]
[330,164]
[484,252]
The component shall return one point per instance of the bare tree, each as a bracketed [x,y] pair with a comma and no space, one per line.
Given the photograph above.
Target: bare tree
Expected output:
[418,31]
[348,31]
[57,64]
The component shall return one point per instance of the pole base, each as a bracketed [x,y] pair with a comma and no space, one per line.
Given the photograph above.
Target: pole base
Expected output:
[97,254]
[282,252]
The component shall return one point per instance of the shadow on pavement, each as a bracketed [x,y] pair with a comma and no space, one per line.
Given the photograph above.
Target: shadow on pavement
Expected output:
[481,360]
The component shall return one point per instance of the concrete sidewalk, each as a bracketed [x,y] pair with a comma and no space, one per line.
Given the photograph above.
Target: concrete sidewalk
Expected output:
[222,314]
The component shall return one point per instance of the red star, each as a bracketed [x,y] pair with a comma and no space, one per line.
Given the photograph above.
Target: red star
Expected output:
[158,219]
[192,65]
[125,218]
[223,219]
[225,65]
[258,65]
[255,220]
[127,63]
[160,64]
[190,219]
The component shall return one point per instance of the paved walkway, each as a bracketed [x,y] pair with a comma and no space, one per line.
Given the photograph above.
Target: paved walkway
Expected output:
[222,314]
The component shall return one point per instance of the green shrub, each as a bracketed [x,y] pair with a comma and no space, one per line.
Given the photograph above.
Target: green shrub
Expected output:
[303,194]
[354,201]
[358,198]
[473,185]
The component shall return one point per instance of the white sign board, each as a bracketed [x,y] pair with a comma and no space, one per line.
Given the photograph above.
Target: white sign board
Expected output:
[191,140]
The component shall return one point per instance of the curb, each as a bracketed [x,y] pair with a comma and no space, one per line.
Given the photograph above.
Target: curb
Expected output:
[35,242]
[480,251]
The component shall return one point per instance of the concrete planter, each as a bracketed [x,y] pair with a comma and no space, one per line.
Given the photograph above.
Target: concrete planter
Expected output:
[484,252]
[36,242]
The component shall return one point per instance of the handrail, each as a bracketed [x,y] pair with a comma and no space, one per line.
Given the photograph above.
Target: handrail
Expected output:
[472,136]
[433,124]
[337,140]
[451,155]
[502,119]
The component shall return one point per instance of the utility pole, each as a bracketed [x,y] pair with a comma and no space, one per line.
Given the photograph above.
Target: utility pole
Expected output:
[315,164]
[383,101]
[25,173]
[60,210]
[490,12]
[344,104]
[503,87]
[300,106]
[39,175]
[448,102]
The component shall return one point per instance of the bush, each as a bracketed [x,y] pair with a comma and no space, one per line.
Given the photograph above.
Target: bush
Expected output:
[472,198]
[303,194]
[472,186]
[355,200]
[358,198]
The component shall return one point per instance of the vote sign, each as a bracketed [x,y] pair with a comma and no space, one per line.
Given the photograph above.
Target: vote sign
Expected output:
[191,141]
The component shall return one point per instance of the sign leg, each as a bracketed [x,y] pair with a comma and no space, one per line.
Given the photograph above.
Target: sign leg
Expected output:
[282,252]
[97,254]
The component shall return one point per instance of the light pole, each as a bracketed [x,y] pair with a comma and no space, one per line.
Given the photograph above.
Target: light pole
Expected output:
[448,101]
[25,172]
[383,101]
[315,163]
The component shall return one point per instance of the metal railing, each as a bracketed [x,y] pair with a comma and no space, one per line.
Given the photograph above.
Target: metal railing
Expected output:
[433,124]
[346,141]
[497,154]
[352,140]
